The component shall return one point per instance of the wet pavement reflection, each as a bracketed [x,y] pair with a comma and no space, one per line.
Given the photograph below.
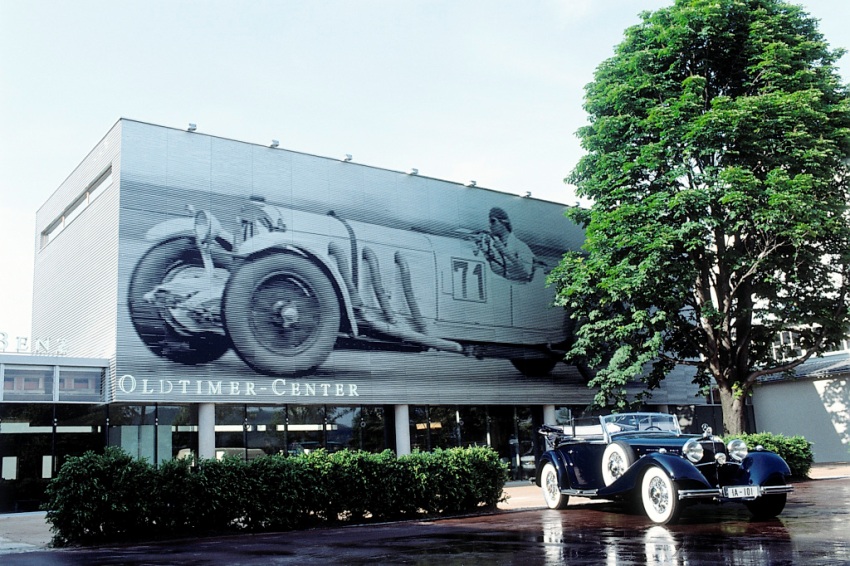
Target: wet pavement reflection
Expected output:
[813,529]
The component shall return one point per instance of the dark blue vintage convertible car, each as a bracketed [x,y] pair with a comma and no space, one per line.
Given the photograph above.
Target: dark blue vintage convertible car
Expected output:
[646,455]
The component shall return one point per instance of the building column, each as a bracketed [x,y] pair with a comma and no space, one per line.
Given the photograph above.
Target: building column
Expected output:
[402,430]
[549,414]
[206,430]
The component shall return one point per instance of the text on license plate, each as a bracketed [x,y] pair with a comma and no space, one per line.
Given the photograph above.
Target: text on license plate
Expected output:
[736,492]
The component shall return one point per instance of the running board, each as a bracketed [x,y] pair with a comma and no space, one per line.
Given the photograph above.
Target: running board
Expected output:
[581,492]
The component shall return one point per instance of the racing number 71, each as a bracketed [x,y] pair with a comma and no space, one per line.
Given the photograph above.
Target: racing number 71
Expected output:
[461,274]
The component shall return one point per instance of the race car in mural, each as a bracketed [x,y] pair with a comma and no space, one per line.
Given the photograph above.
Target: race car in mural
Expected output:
[291,286]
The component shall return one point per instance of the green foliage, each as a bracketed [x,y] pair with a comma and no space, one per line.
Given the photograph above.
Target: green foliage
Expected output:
[105,497]
[716,148]
[98,497]
[795,450]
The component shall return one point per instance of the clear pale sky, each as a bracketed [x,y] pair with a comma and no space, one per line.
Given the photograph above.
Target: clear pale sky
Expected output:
[489,90]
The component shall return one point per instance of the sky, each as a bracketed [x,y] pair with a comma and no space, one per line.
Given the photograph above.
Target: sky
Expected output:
[489,90]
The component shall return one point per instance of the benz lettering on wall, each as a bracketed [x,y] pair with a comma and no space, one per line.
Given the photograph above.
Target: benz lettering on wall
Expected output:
[40,346]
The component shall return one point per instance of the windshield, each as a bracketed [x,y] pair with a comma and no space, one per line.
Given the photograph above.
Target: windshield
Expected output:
[625,423]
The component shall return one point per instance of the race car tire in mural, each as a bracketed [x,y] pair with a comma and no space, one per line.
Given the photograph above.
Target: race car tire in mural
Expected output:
[282,314]
[169,332]
[534,366]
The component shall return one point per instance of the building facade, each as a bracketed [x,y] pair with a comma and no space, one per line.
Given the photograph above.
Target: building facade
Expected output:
[205,295]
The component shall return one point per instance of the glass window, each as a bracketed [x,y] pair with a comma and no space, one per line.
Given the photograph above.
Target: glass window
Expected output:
[267,430]
[343,430]
[10,468]
[445,427]
[420,427]
[372,429]
[181,423]
[27,383]
[80,384]
[99,186]
[26,435]
[305,428]
[230,433]
[76,208]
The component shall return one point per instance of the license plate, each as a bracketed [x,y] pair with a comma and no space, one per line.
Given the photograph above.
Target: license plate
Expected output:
[740,491]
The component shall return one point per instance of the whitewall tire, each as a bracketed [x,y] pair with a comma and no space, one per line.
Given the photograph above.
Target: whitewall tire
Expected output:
[552,489]
[616,459]
[659,496]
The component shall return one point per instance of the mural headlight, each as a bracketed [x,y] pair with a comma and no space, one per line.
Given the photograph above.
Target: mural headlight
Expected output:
[207,227]
[737,449]
[693,450]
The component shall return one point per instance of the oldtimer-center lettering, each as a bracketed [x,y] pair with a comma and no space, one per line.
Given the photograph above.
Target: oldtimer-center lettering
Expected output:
[281,387]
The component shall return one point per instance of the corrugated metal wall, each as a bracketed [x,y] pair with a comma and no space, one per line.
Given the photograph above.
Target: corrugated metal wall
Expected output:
[83,276]
[75,276]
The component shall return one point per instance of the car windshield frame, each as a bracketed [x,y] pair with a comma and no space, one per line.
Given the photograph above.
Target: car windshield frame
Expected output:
[624,424]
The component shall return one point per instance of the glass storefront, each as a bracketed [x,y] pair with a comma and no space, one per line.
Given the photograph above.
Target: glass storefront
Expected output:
[36,438]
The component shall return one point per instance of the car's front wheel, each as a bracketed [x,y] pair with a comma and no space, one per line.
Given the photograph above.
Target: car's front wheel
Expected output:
[659,496]
[282,314]
[767,506]
[551,489]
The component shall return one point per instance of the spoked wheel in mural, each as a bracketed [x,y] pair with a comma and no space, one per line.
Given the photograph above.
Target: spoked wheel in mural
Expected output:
[174,302]
[282,314]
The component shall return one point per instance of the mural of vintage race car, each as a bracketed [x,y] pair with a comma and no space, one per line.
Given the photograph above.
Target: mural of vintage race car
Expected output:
[291,286]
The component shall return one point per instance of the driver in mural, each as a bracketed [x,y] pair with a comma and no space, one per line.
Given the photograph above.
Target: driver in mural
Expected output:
[507,255]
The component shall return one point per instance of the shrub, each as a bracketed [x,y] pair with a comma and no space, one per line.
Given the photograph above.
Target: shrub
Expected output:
[97,497]
[102,497]
[795,450]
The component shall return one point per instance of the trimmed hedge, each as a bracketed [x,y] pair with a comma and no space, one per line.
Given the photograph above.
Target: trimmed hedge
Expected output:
[97,498]
[795,450]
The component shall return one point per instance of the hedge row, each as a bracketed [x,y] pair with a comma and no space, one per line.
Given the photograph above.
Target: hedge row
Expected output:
[795,450]
[111,496]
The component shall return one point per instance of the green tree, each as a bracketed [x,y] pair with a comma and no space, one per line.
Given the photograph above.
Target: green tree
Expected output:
[717,166]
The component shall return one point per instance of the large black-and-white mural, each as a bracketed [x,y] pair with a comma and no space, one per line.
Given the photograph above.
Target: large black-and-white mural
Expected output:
[349,284]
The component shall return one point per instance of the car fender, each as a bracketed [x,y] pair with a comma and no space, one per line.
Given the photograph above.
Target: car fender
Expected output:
[765,468]
[183,226]
[680,471]
[262,244]
[557,459]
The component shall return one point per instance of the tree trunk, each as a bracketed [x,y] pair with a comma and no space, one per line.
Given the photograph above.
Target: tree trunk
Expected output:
[734,416]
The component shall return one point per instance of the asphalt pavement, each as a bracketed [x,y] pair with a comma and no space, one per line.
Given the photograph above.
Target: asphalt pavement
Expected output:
[30,533]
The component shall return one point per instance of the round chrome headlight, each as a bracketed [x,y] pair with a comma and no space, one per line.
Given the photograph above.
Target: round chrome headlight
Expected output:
[692,450]
[203,227]
[737,449]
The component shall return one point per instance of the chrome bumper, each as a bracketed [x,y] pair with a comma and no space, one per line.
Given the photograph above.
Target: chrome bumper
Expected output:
[718,493]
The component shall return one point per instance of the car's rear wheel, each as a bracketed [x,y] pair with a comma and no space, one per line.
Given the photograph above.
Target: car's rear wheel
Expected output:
[659,496]
[616,459]
[159,326]
[534,367]
[552,489]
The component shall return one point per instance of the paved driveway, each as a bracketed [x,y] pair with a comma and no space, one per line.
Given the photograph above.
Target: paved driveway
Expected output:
[813,529]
